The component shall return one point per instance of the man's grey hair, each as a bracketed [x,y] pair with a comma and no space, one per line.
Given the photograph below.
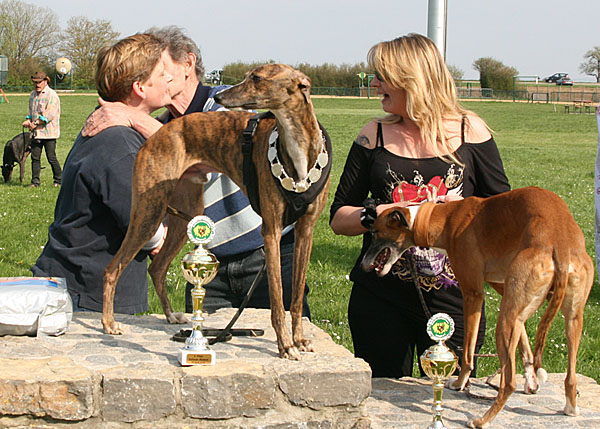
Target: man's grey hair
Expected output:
[179,46]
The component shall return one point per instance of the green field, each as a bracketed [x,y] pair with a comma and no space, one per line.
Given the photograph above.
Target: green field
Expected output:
[538,145]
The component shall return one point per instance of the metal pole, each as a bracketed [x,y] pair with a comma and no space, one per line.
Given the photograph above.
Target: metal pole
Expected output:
[436,23]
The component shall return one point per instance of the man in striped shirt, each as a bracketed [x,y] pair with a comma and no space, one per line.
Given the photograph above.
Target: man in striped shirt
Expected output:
[44,122]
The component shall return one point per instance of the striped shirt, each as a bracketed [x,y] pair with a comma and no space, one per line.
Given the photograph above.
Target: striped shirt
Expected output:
[45,108]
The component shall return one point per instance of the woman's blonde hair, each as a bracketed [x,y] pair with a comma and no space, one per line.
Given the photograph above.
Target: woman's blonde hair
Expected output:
[127,61]
[414,63]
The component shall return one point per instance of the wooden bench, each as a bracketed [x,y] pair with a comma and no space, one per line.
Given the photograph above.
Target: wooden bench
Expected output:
[580,106]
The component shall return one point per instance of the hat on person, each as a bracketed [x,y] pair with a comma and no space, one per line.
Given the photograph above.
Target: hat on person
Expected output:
[40,76]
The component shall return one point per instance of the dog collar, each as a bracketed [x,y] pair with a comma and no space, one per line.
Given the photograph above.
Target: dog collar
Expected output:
[278,170]
[421,224]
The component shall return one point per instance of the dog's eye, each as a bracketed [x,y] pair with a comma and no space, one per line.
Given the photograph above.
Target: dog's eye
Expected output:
[256,78]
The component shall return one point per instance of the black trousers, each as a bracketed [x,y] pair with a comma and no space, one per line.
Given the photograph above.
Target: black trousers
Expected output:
[36,155]
[386,331]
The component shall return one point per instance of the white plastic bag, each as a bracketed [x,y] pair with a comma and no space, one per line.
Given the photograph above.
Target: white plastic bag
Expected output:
[34,306]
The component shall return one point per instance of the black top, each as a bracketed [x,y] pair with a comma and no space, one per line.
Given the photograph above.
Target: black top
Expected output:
[91,219]
[391,178]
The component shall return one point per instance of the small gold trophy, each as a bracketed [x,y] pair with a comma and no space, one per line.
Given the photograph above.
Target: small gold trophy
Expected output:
[199,267]
[439,362]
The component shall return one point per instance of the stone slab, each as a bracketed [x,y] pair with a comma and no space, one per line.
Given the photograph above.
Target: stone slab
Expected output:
[90,378]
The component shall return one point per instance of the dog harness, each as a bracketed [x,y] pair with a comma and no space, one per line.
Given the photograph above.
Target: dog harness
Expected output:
[296,202]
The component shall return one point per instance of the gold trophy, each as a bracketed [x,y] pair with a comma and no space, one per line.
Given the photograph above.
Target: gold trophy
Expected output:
[199,267]
[439,362]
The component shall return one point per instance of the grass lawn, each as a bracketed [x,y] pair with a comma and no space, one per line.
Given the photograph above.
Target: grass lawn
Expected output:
[538,145]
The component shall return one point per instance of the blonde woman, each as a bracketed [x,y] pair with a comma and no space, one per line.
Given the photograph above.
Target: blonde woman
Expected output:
[427,148]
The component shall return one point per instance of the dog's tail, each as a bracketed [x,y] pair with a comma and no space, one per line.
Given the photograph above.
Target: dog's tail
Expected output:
[557,291]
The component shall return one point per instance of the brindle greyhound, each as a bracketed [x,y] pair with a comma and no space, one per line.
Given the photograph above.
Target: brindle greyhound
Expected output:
[214,140]
[526,244]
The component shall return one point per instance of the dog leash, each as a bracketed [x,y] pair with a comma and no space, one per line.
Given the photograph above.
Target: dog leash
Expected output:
[415,276]
[224,333]
[488,381]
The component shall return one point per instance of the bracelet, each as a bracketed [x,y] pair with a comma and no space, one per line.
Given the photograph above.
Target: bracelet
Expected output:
[369,213]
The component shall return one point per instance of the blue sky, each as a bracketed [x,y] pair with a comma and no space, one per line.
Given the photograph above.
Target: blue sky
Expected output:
[537,38]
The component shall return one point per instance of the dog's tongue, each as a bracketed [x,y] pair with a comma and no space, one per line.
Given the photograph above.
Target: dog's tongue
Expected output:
[381,260]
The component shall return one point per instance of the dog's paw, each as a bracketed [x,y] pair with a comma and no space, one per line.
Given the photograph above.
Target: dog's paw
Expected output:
[290,353]
[476,423]
[455,384]
[112,328]
[305,346]
[531,385]
[177,318]
[542,375]
[571,410]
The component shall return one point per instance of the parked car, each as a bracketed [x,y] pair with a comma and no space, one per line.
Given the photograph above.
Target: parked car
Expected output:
[214,77]
[564,81]
[556,76]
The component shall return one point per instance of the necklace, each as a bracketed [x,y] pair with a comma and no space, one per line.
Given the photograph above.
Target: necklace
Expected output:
[279,172]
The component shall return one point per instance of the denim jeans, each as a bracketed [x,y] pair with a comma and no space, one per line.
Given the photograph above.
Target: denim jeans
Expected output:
[235,277]
[36,156]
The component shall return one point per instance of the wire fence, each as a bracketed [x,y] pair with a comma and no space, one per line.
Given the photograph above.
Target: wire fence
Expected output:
[543,94]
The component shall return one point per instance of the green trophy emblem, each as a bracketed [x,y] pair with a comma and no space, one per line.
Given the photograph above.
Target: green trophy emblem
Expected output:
[201,230]
[440,327]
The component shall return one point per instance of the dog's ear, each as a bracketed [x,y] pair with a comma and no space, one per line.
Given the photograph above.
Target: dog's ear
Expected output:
[304,86]
[396,219]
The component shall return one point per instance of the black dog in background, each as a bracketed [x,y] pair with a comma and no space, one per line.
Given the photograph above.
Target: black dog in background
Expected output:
[16,151]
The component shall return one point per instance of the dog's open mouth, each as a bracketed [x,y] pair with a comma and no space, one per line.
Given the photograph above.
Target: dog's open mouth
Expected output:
[381,259]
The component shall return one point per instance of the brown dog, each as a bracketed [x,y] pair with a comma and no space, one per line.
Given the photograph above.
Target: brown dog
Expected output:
[527,245]
[214,140]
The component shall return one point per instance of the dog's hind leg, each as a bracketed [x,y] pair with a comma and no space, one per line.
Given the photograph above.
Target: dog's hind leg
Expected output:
[528,280]
[146,216]
[532,384]
[187,198]
[573,306]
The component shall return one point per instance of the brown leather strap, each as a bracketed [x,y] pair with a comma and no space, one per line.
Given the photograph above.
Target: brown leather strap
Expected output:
[421,225]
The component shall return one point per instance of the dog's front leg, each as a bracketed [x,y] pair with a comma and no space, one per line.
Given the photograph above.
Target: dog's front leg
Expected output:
[272,239]
[472,290]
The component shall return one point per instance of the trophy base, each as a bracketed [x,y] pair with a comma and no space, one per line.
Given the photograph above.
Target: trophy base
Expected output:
[197,357]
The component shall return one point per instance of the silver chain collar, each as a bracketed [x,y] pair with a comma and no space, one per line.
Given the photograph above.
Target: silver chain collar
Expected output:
[288,183]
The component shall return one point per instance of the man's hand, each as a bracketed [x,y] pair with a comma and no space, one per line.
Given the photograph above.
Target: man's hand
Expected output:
[109,114]
[28,124]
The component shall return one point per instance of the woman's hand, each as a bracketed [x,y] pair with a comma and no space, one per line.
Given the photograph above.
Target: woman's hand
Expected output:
[383,207]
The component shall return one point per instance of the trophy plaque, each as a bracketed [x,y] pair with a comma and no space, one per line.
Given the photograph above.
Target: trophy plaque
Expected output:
[439,362]
[199,267]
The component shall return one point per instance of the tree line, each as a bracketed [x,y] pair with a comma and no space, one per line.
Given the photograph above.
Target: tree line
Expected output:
[32,39]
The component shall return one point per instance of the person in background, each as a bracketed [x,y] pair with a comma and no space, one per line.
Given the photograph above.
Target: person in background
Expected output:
[92,210]
[237,242]
[43,120]
[427,148]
